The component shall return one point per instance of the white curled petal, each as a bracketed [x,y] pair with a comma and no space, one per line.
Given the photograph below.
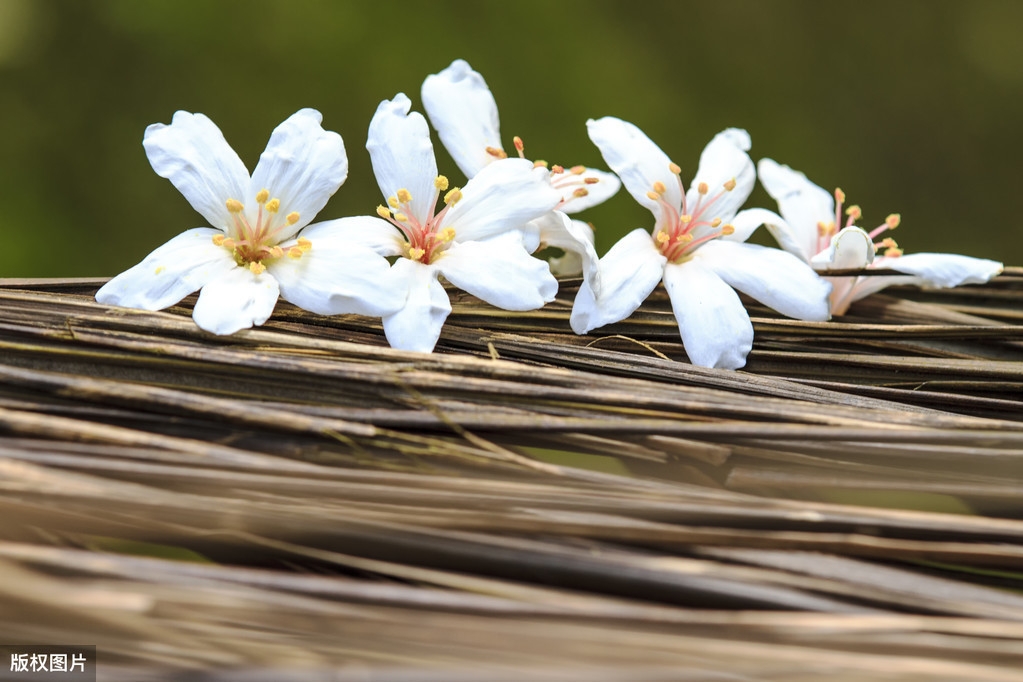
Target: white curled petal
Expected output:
[192,153]
[637,160]
[236,300]
[747,221]
[335,277]
[599,185]
[364,231]
[851,249]
[464,114]
[417,325]
[629,271]
[504,196]
[178,268]
[402,154]
[802,204]
[774,277]
[302,166]
[575,238]
[724,159]
[500,272]
[943,269]
[715,327]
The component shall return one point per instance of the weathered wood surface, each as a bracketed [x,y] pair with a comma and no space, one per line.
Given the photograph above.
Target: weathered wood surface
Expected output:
[299,502]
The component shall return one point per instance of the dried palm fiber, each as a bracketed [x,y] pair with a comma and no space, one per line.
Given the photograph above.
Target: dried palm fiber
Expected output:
[299,502]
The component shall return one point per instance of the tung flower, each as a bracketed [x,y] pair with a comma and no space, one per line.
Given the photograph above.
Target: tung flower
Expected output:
[472,239]
[811,230]
[464,113]
[696,247]
[261,245]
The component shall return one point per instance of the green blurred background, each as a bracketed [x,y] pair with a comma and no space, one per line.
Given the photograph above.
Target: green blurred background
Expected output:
[911,107]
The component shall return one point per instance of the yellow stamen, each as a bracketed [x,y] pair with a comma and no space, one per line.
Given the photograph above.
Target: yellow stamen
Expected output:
[581,192]
[653,195]
[392,202]
[235,206]
[404,196]
[273,205]
[715,222]
[276,252]
[684,238]
[229,243]
[557,169]
[441,183]
[257,268]
[684,218]
[519,144]
[893,221]
[730,185]
[659,187]
[539,163]
[292,218]
[401,217]
[893,253]
[854,212]
[727,229]
[825,229]
[383,212]
[304,244]
[445,235]
[662,237]
[839,195]
[578,170]
[497,152]
[591,181]
[295,252]
[888,243]
[702,188]
[416,253]
[262,196]
[453,197]
[218,239]
[673,167]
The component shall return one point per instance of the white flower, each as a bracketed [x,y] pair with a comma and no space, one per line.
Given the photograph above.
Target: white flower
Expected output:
[464,113]
[472,240]
[696,247]
[261,245]
[810,230]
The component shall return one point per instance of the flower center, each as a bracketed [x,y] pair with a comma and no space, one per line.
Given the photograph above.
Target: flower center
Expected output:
[679,233]
[250,243]
[827,231]
[574,179]
[428,239]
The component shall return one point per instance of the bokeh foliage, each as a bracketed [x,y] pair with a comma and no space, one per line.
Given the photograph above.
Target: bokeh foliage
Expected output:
[912,106]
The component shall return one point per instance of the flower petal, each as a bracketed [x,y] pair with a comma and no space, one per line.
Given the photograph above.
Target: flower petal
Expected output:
[237,299]
[747,221]
[402,154]
[724,159]
[943,269]
[599,185]
[367,232]
[192,153]
[504,196]
[850,249]
[418,324]
[335,277]
[500,272]
[629,271]
[802,204]
[168,274]
[464,113]
[715,327]
[637,160]
[575,238]
[774,277]
[847,290]
[302,166]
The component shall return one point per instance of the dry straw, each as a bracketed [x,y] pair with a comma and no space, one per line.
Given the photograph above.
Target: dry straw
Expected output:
[299,502]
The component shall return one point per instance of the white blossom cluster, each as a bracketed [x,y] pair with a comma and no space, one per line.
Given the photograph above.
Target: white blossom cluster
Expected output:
[262,243]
